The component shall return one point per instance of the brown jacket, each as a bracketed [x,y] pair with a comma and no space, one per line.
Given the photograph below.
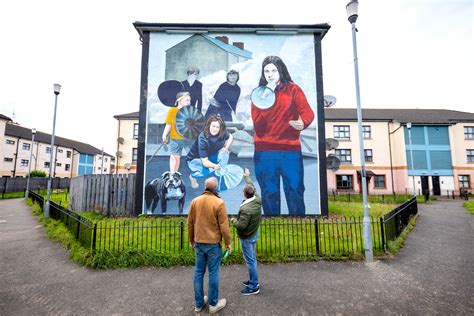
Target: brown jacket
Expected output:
[207,220]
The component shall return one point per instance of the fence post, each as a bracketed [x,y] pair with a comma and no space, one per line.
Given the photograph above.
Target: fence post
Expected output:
[181,235]
[382,232]
[94,237]
[78,228]
[316,230]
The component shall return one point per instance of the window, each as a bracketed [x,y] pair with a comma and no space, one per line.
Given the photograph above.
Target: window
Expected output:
[6,159]
[46,164]
[24,162]
[105,159]
[135,131]
[99,157]
[470,155]
[468,132]
[344,155]
[58,164]
[48,150]
[26,146]
[368,155]
[464,182]
[344,182]
[366,131]
[60,150]
[134,155]
[105,170]
[10,142]
[67,167]
[342,131]
[68,154]
[379,181]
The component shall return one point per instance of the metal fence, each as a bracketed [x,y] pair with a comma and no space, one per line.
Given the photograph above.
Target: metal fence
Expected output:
[82,229]
[279,237]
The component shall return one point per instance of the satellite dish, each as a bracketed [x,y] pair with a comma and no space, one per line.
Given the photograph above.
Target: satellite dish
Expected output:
[120,140]
[127,166]
[331,143]
[119,154]
[167,91]
[263,97]
[332,162]
[329,101]
[189,122]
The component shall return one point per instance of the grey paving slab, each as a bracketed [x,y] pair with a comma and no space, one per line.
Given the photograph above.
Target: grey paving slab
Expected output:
[432,275]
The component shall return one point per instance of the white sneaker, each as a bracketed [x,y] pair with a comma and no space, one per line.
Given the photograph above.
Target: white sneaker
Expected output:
[194,183]
[219,306]
[199,309]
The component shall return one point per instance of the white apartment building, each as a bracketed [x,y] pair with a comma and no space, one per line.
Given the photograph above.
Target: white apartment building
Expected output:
[72,158]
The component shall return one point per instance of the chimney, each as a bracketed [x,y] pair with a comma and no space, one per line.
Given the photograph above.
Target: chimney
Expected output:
[239,45]
[223,39]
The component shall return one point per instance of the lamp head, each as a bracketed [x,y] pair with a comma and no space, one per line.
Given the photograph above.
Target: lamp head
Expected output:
[352,9]
[33,131]
[57,88]
[408,125]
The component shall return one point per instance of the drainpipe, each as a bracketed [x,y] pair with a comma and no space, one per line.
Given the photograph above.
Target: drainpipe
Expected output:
[16,157]
[118,148]
[36,157]
[390,150]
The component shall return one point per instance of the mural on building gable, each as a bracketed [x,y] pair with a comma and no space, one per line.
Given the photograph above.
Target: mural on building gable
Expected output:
[220,103]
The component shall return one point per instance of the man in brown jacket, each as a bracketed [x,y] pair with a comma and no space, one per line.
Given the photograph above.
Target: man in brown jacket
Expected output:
[207,225]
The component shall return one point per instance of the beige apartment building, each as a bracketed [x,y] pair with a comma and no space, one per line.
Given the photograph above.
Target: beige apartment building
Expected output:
[72,158]
[442,145]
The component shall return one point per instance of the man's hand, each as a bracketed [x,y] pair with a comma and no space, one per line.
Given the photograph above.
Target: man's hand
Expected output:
[230,249]
[246,172]
[232,220]
[193,244]
[298,124]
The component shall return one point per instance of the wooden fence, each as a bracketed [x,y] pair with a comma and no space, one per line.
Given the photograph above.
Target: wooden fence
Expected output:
[19,184]
[110,195]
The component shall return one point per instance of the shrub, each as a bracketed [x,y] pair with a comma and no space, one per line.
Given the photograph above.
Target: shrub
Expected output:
[37,174]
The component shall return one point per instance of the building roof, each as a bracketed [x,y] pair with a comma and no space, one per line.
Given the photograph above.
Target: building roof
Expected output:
[197,28]
[127,116]
[25,133]
[3,117]
[415,116]
[228,47]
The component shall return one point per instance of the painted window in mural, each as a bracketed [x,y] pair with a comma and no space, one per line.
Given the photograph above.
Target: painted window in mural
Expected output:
[220,103]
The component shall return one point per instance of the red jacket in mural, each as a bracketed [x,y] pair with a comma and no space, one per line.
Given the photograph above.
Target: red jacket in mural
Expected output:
[272,128]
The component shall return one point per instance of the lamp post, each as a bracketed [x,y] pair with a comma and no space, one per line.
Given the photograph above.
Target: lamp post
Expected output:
[57,89]
[411,158]
[352,14]
[33,132]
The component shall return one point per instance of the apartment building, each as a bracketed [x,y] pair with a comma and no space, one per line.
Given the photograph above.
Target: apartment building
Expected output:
[442,145]
[72,158]
[127,143]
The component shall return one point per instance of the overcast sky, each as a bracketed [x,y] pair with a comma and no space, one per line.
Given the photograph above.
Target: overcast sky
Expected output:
[417,54]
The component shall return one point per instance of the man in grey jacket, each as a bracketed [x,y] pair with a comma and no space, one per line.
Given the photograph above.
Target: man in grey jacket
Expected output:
[247,223]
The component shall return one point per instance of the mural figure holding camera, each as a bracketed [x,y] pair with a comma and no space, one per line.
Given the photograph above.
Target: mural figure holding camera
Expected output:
[277,138]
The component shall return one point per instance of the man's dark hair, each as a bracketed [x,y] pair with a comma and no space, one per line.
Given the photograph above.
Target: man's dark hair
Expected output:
[249,191]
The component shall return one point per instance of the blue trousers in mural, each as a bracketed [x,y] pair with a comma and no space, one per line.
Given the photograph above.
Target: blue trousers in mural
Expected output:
[270,166]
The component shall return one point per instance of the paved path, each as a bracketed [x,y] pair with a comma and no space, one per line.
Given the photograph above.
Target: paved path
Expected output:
[432,274]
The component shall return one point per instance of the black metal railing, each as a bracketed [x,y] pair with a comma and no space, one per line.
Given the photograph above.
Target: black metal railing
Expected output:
[395,221]
[82,229]
[279,237]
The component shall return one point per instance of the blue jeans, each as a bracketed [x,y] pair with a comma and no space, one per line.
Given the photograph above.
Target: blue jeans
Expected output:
[270,166]
[199,171]
[207,255]
[248,250]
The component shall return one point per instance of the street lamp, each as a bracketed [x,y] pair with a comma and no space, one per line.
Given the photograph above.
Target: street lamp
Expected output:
[57,89]
[411,158]
[33,132]
[352,14]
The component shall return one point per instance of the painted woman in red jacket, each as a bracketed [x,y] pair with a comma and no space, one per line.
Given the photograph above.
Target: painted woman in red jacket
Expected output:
[277,139]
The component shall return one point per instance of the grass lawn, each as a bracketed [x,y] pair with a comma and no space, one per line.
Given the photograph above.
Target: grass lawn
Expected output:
[469,206]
